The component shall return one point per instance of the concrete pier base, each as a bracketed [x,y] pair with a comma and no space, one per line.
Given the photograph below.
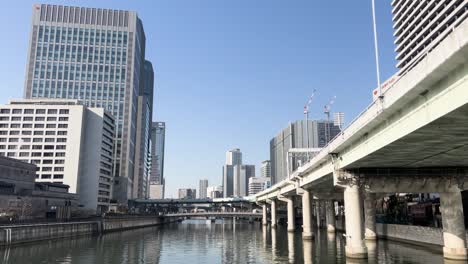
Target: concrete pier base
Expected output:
[264,215]
[453,226]
[307,232]
[355,246]
[291,215]
[369,217]
[274,222]
[330,216]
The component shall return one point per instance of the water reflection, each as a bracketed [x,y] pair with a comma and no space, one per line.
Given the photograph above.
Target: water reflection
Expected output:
[229,241]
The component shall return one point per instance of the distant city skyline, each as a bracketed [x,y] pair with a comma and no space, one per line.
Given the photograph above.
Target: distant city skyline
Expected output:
[266,66]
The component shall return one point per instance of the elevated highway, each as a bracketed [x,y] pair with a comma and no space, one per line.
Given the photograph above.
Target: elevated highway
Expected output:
[216,214]
[413,139]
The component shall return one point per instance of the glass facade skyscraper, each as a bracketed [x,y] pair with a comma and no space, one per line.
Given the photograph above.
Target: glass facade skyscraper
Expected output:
[95,55]
[156,181]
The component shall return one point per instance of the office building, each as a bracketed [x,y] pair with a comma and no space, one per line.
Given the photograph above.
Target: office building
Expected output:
[258,184]
[69,143]
[419,26]
[157,182]
[187,193]
[144,129]
[233,158]
[295,136]
[214,191]
[97,56]
[202,189]
[265,169]
[242,173]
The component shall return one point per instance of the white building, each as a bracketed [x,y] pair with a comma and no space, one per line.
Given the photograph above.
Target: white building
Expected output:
[265,169]
[419,26]
[338,119]
[214,191]
[68,142]
[258,184]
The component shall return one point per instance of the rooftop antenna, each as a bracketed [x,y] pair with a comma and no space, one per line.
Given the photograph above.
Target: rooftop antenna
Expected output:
[326,110]
[306,113]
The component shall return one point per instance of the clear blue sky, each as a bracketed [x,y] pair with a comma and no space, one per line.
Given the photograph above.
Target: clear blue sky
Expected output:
[234,73]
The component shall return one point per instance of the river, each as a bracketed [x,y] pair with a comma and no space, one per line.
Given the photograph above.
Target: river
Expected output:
[200,241]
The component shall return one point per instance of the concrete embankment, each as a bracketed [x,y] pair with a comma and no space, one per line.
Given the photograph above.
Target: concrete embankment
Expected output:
[15,234]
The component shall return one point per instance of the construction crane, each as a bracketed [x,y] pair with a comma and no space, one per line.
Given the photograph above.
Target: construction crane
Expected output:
[326,110]
[306,113]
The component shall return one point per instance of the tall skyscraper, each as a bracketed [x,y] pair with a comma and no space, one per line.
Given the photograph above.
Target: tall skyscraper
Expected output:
[144,128]
[419,26]
[202,189]
[242,173]
[95,55]
[295,136]
[157,181]
[265,169]
[233,158]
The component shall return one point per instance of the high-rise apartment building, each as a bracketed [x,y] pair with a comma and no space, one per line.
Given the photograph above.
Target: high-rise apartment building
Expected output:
[233,158]
[338,119]
[419,26]
[295,136]
[68,142]
[98,56]
[157,182]
[265,169]
[242,173]
[202,189]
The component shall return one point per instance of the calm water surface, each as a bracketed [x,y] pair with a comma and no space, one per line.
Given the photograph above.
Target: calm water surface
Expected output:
[200,241]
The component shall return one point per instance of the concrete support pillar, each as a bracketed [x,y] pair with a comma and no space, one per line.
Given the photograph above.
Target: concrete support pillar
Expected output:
[355,246]
[273,214]
[264,215]
[453,225]
[330,216]
[318,213]
[369,217]
[291,248]
[307,232]
[291,215]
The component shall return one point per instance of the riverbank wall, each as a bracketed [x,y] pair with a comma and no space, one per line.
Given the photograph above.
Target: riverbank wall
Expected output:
[25,233]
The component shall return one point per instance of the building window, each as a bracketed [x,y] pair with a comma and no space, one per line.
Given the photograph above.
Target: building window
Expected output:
[37,139]
[52,111]
[51,118]
[25,147]
[61,140]
[64,111]
[26,132]
[40,111]
[48,146]
[49,140]
[48,154]
[36,162]
[28,118]
[39,118]
[60,154]
[17,111]
[61,133]
[58,176]
[37,147]
[63,118]
[11,154]
[29,111]
[60,147]
[4,111]
[14,132]
[38,133]
[45,176]
[62,125]
[38,125]
[16,118]
[58,169]
[13,140]
[47,161]
[36,154]
[12,147]
[27,125]
[24,154]
[50,133]
[59,161]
